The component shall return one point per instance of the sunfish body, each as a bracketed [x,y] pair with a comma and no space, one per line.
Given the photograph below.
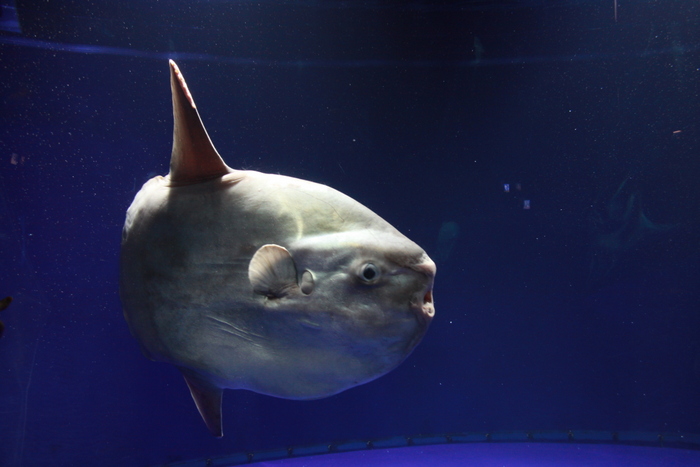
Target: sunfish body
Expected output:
[247,280]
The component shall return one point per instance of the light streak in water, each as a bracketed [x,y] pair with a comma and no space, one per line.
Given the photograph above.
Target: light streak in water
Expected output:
[370,63]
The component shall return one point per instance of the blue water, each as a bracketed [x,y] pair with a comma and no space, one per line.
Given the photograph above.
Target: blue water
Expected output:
[580,312]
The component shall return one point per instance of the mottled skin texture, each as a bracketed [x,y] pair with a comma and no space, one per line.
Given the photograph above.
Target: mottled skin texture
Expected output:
[193,298]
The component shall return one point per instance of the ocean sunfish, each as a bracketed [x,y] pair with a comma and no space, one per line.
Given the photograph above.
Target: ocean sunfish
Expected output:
[246,280]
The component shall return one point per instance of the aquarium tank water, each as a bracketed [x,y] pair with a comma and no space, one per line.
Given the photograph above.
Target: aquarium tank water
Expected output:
[505,269]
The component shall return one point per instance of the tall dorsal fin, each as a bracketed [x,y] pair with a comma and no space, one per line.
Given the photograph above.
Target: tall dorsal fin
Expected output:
[194,158]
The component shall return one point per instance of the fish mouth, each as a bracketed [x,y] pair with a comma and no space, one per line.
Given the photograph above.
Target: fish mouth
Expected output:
[428,307]
[423,306]
[423,310]
[423,302]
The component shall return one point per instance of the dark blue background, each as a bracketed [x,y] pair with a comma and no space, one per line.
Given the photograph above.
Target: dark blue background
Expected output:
[579,313]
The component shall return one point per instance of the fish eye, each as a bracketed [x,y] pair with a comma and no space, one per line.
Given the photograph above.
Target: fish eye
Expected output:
[369,272]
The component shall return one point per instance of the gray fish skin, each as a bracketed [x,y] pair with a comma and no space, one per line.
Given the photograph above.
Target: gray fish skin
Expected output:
[246,280]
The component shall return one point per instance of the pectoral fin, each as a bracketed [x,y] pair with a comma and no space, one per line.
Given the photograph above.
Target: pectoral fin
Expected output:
[272,271]
[208,400]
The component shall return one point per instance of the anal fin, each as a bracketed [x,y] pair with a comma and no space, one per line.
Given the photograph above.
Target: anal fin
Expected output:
[208,399]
